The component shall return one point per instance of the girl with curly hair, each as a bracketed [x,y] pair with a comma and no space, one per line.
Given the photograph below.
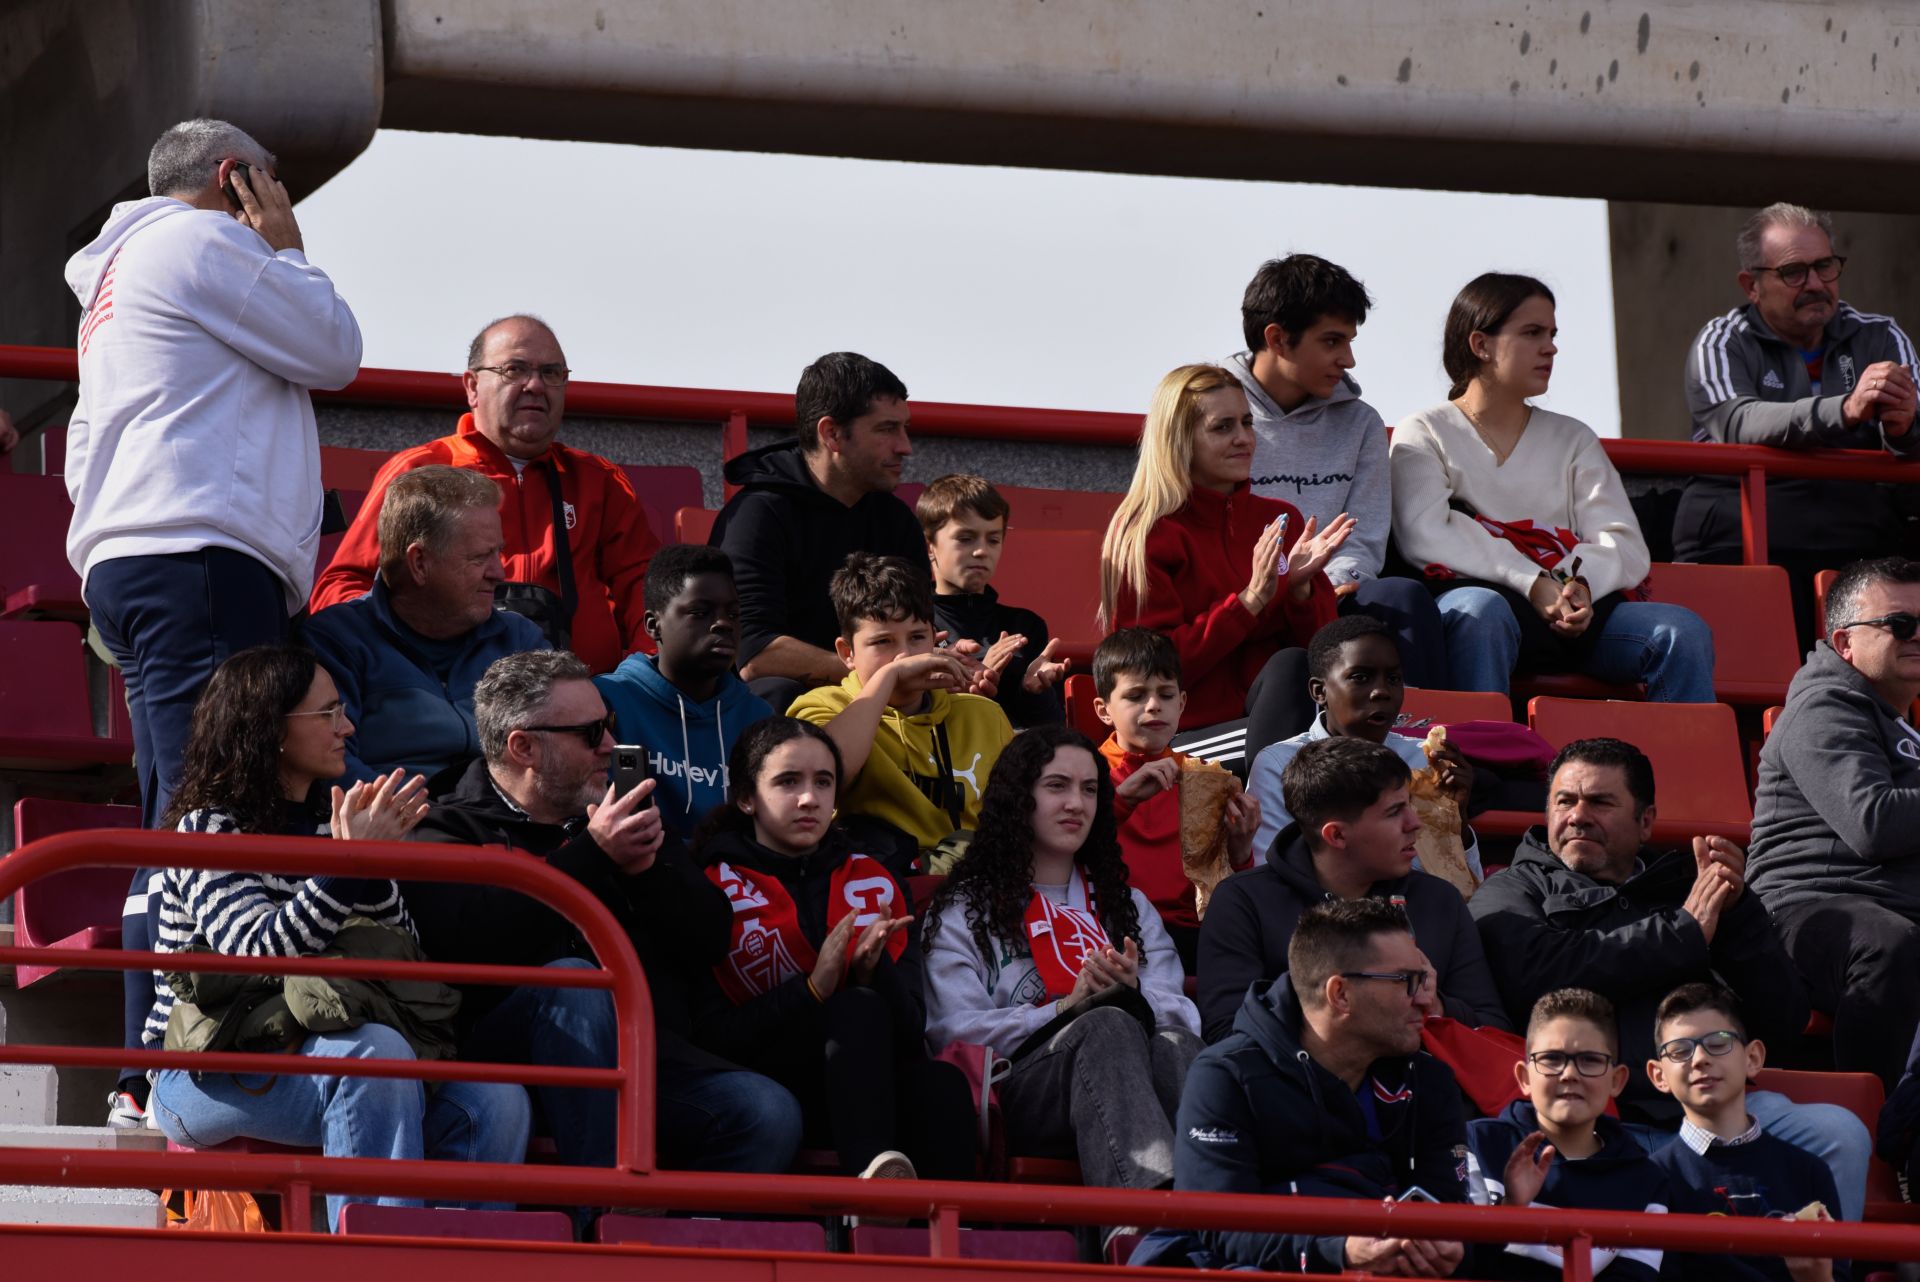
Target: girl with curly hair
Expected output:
[820,988]
[267,729]
[1038,948]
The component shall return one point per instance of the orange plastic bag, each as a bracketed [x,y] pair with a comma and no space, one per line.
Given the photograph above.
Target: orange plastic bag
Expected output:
[215,1211]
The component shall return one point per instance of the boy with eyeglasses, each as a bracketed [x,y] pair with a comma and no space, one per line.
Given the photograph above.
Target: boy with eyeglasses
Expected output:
[1724,1163]
[1558,1147]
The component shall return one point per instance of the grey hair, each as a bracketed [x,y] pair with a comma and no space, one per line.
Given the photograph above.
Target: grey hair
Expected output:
[1843,598]
[187,154]
[421,507]
[478,347]
[1778,214]
[515,690]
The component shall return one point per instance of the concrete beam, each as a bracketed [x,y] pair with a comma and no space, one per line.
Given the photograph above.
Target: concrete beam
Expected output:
[1725,100]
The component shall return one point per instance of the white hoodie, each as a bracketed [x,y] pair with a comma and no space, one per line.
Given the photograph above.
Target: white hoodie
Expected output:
[193,427]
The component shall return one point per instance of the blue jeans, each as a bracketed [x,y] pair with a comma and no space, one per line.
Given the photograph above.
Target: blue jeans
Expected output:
[708,1120]
[1667,646]
[1829,1132]
[349,1116]
[1406,606]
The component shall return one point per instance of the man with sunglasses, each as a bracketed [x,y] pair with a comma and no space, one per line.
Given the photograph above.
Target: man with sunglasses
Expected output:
[577,543]
[1836,817]
[541,789]
[1798,368]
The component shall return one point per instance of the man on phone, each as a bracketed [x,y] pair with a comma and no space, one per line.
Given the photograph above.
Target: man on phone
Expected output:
[541,788]
[1798,368]
[193,461]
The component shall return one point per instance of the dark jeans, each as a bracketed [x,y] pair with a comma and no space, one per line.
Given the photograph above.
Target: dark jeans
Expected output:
[1861,961]
[873,1088]
[169,621]
[707,1121]
[1406,606]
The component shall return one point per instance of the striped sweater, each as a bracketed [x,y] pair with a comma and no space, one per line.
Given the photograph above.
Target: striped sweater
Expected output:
[245,914]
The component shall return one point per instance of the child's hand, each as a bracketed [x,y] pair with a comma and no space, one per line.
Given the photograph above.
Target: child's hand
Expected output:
[1045,671]
[1243,825]
[1805,1269]
[1149,780]
[1455,771]
[1003,651]
[933,670]
[1527,1169]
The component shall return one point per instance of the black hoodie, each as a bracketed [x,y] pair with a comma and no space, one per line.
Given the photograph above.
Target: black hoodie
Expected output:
[1250,922]
[982,616]
[677,919]
[787,536]
[1547,926]
[1260,1116]
[783,1031]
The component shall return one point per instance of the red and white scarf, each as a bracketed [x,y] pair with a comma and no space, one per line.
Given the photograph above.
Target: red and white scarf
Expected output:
[767,947]
[1061,936]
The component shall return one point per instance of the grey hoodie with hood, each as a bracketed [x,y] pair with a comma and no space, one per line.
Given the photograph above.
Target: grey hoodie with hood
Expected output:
[1326,456]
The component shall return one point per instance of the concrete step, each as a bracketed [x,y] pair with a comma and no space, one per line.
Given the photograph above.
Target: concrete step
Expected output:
[92,1138]
[99,1208]
[29,1095]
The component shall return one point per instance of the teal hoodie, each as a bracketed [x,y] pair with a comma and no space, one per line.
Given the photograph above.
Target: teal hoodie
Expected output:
[687,742]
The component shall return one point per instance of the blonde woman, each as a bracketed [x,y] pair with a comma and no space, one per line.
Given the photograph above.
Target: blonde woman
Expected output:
[1233,578]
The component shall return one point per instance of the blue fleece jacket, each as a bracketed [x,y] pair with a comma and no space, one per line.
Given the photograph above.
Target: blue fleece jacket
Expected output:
[687,743]
[410,698]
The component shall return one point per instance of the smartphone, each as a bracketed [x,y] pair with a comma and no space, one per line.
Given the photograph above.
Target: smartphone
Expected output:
[244,169]
[629,768]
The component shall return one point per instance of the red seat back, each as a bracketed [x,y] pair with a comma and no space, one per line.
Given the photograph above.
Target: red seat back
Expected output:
[1451,706]
[1081,692]
[1750,610]
[1822,584]
[43,681]
[1694,747]
[1056,573]
[1039,509]
[1860,1093]
[730,1235]
[694,524]
[975,1244]
[342,468]
[447,1222]
[78,908]
[34,515]
[663,491]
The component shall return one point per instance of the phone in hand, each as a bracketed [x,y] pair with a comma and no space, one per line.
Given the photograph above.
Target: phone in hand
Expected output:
[245,171]
[629,769]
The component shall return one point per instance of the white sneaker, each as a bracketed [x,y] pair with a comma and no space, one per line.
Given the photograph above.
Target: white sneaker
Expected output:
[890,1165]
[124,1112]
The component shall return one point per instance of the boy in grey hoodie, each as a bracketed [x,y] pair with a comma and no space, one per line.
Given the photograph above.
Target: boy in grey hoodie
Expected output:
[1320,447]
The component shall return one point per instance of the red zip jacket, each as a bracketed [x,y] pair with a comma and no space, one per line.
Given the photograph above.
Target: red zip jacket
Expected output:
[607,535]
[1150,838]
[1198,561]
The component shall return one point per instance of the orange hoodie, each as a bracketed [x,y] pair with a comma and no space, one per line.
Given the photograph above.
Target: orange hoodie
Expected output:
[607,536]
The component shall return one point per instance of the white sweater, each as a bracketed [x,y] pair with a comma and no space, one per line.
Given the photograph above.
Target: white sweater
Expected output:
[193,427]
[1557,476]
[1001,1001]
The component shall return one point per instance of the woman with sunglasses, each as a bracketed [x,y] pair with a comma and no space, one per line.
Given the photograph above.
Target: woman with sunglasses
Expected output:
[1039,949]
[268,728]
[1521,523]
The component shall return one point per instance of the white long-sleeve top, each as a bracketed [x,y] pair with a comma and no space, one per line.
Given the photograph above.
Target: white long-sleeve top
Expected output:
[1557,476]
[1000,1001]
[193,427]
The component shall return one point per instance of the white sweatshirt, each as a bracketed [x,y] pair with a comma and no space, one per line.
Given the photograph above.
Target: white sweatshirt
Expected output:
[991,1002]
[1557,476]
[193,427]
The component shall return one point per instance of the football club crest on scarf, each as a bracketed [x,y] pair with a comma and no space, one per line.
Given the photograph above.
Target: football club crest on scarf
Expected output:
[767,947]
[1061,936]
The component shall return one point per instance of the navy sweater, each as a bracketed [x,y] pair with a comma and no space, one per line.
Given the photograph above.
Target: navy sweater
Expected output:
[1765,1177]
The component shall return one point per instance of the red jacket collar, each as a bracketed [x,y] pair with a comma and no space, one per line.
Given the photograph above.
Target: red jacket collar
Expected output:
[1210,507]
[472,438]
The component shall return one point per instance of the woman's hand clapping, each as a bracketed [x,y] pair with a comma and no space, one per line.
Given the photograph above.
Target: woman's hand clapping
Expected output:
[385,809]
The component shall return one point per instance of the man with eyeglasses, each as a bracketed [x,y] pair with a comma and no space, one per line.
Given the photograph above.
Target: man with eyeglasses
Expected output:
[1798,368]
[1322,1090]
[541,789]
[1588,903]
[577,543]
[1836,817]
[407,652]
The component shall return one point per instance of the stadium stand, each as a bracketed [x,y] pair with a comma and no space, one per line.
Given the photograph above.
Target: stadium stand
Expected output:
[77,909]
[46,717]
[34,514]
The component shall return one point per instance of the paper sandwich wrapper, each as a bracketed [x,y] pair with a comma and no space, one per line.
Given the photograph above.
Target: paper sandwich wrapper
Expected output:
[1205,789]
[1441,843]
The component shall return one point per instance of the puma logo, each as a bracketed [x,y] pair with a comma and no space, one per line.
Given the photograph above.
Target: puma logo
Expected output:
[967,774]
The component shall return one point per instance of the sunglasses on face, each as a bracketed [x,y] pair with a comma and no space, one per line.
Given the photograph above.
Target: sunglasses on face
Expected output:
[590,732]
[1680,1049]
[1901,625]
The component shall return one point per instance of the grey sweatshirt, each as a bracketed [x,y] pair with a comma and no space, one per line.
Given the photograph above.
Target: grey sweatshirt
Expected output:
[1326,457]
[1837,811]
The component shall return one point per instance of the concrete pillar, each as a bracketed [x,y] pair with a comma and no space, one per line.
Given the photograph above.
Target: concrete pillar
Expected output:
[1673,269]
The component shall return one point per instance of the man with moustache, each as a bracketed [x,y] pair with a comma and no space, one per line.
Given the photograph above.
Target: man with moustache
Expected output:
[1799,369]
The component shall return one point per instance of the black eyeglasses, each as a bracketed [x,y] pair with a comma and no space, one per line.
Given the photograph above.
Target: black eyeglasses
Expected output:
[1680,1049]
[1901,625]
[590,732]
[1414,980]
[1795,274]
[1585,1063]
[521,371]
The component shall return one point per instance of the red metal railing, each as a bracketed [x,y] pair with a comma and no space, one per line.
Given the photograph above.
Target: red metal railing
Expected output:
[634,1182]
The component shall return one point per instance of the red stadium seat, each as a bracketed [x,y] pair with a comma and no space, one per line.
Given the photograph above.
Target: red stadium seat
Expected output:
[693,524]
[975,1244]
[1042,1170]
[1695,749]
[1451,706]
[363,1218]
[1862,1094]
[1057,574]
[79,908]
[34,515]
[349,469]
[731,1235]
[46,721]
[1037,509]
[1767,719]
[1120,1247]
[663,491]
[1081,692]
[1750,611]
[1822,584]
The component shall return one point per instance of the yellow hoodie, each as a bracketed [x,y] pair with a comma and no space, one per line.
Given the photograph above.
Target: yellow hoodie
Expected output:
[903,782]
